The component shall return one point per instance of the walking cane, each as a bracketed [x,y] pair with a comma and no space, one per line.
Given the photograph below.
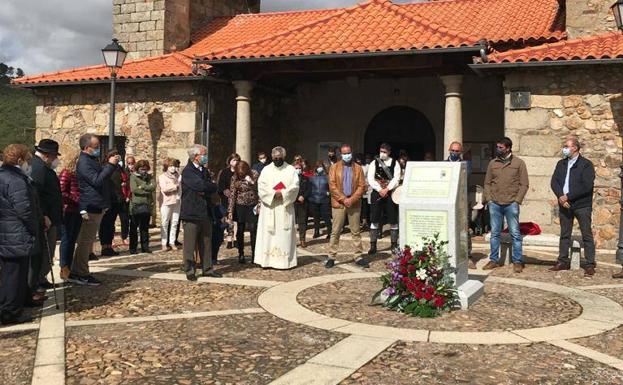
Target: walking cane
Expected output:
[47,245]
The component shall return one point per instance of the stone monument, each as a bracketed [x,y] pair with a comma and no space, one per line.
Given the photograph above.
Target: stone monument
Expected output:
[434,201]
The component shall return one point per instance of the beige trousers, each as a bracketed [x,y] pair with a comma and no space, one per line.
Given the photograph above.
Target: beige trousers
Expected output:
[84,244]
[339,217]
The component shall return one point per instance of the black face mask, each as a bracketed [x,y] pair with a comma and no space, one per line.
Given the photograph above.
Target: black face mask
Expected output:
[332,157]
[278,162]
[500,153]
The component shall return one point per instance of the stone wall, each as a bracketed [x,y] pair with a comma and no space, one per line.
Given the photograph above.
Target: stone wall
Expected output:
[588,17]
[582,101]
[155,27]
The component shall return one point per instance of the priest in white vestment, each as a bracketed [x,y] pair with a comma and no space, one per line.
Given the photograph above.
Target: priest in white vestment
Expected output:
[278,188]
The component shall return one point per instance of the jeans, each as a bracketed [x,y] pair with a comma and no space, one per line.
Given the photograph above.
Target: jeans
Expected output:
[169,214]
[511,213]
[566,227]
[70,230]
[321,210]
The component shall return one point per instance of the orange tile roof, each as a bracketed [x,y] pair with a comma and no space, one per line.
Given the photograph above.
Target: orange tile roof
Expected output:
[604,46]
[170,65]
[376,25]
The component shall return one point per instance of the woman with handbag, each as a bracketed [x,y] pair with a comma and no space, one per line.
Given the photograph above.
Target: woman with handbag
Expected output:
[141,204]
[242,205]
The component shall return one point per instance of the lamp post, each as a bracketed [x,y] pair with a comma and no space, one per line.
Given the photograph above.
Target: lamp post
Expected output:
[617,11]
[114,56]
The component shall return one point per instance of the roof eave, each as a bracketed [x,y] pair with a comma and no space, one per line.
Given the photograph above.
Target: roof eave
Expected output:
[352,55]
[548,63]
[107,81]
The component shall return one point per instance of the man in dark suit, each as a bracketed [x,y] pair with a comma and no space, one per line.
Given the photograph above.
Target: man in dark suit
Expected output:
[196,213]
[572,183]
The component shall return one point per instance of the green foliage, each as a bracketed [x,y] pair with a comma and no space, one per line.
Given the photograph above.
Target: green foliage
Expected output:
[17,110]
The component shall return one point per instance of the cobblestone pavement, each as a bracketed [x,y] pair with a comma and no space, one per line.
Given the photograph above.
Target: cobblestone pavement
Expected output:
[17,356]
[426,363]
[142,327]
[503,307]
[218,350]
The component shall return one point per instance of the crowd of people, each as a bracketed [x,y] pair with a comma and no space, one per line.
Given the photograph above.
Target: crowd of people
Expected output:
[272,200]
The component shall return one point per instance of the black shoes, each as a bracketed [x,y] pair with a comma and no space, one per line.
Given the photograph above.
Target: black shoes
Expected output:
[93,257]
[109,252]
[213,274]
[316,234]
[329,263]
[191,277]
[362,262]
[241,260]
[372,250]
[12,320]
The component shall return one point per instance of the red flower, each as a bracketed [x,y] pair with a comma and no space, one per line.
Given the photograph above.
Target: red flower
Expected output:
[418,294]
[428,296]
[439,301]
[423,257]
[411,268]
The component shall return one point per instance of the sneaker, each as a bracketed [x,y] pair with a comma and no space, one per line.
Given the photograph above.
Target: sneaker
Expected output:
[362,262]
[76,279]
[329,263]
[491,265]
[93,257]
[91,280]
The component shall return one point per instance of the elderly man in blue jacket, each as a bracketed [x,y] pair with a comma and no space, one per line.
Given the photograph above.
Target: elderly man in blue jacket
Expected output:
[93,184]
[572,183]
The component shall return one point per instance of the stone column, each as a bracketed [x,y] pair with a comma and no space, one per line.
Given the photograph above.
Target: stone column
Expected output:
[453,122]
[243,119]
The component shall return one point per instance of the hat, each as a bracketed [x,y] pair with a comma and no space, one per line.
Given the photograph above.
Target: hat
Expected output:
[48,146]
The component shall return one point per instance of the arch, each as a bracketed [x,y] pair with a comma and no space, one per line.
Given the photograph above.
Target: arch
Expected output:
[404,128]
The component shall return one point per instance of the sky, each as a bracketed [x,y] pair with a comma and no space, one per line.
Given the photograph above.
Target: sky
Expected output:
[50,35]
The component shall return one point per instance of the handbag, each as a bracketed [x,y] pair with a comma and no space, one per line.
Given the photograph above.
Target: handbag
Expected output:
[141,209]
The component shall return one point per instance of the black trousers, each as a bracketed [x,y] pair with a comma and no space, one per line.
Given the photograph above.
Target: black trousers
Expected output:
[242,227]
[382,206]
[321,210]
[197,235]
[365,210]
[124,218]
[300,211]
[14,286]
[139,223]
[584,217]
[107,226]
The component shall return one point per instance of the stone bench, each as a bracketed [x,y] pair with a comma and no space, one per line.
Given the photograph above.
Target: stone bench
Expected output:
[541,240]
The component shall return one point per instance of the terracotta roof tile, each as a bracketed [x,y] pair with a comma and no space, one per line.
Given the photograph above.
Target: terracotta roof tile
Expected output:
[604,46]
[170,65]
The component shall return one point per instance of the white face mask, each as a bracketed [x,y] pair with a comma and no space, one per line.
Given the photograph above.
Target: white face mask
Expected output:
[298,171]
[26,168]
[172,169]
[383,156]
[54,164]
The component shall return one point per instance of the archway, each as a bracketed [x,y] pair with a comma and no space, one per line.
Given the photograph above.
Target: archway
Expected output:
[404,128]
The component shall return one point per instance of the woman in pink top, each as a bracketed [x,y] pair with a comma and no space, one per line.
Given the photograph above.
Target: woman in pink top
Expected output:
[170,186]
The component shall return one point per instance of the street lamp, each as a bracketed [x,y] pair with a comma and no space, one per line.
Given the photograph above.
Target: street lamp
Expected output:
[114,56]
[617,10]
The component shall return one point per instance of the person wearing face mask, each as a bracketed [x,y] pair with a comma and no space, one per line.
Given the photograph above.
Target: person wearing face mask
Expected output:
[20,226]
[170,189]
[223,181]
[94,200]
[319,200]
[197,213]
[300,205]
[141,205]
[506,185]
[346,185]
[124,211]
[573,183]
[403,158]
[262,161]
[117,198]
[278,188]
[383,177]
[48,189]
[243,205]
[331,157]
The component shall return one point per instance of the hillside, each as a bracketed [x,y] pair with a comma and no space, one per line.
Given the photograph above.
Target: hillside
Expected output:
[17,116]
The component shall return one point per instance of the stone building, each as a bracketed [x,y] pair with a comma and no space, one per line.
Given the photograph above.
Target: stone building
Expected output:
[417,75]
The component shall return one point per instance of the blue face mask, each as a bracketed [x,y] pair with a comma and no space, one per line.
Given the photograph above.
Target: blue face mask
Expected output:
[347,157]
[96,153]
[203,160]
[454,156]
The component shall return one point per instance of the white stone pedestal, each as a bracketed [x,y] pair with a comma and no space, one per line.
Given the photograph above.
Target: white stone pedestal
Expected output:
[434,201]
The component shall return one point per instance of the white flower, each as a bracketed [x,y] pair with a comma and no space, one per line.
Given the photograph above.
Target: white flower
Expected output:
[421,274]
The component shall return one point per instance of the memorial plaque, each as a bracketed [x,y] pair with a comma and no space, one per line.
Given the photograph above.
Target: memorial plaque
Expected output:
[435,202]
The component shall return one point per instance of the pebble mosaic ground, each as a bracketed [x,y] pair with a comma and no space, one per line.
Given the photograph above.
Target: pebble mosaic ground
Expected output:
[148,325]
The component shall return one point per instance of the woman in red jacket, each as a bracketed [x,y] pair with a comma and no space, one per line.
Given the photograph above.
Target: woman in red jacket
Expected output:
[72,220]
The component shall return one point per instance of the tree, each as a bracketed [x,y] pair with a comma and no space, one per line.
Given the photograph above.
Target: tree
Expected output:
[17,110]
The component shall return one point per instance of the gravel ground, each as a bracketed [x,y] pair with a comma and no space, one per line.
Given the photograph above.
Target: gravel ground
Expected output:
[245,349]
[131,297]
[426,364]
[17,357]
[503,307]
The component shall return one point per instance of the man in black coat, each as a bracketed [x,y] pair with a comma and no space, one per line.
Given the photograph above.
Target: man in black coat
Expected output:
[94,200]
[196,213]
[573,183]
[48,189]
